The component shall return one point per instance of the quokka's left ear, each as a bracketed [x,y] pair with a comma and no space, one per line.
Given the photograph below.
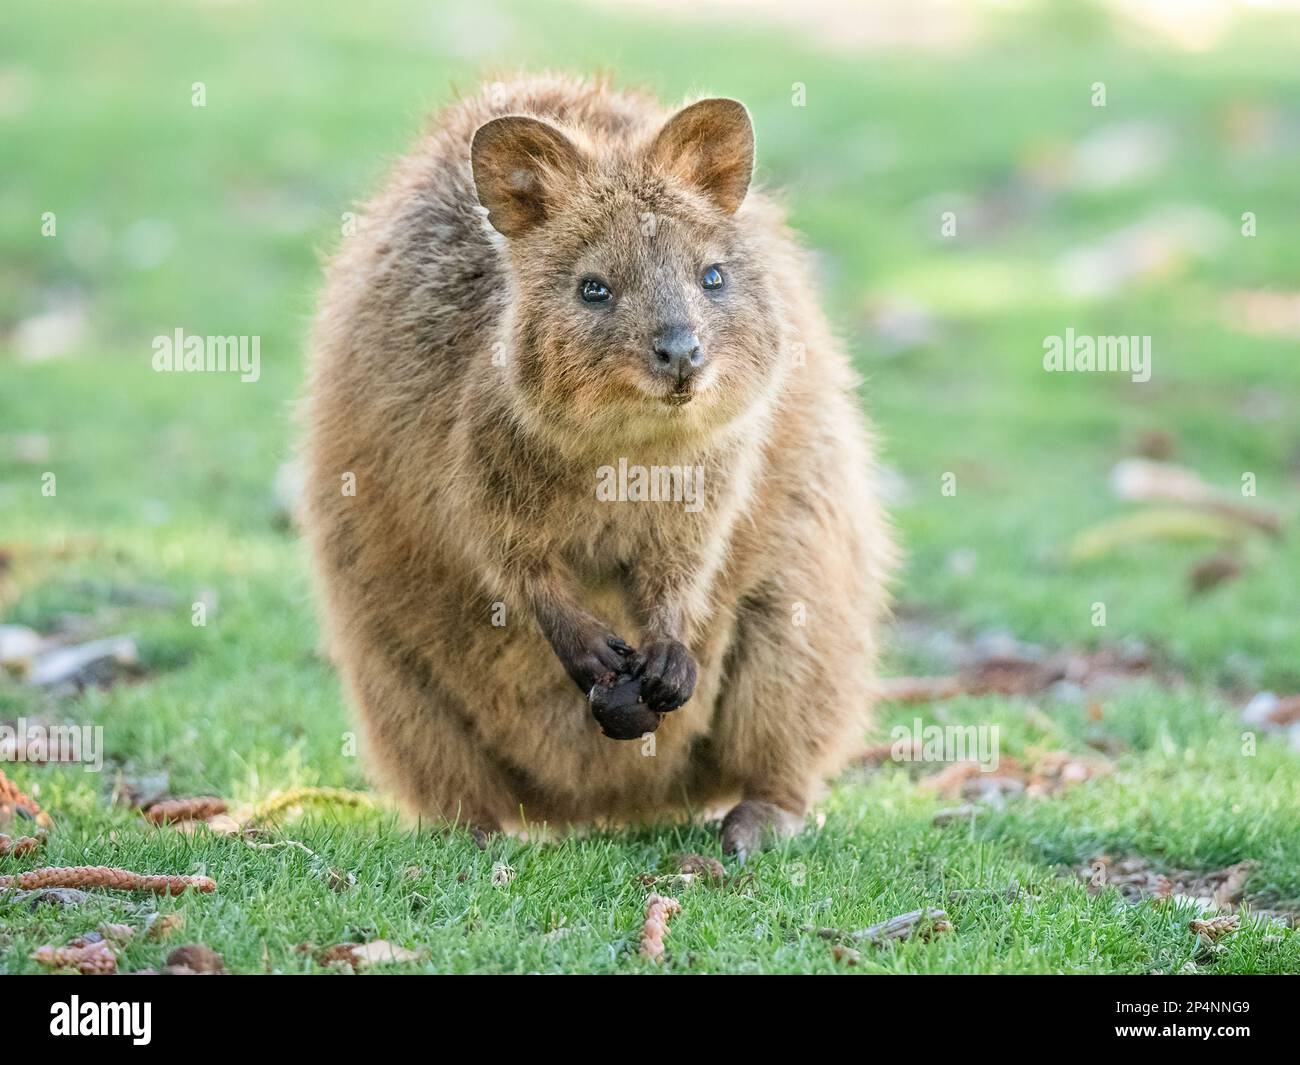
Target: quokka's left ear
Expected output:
[709,145]
[522,167]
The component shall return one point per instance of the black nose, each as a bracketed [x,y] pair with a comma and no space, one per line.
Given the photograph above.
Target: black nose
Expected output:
[677,352]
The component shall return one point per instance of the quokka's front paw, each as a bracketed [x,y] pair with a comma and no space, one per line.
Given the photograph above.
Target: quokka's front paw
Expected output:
[591,653]
[667,671]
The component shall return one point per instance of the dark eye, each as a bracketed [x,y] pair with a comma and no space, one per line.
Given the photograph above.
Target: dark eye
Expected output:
[594,291]
[712,279]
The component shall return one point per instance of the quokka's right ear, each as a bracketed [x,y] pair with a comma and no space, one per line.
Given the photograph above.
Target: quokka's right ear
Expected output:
[520,167]
[710,145]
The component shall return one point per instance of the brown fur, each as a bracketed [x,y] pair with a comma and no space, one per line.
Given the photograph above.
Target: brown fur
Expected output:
[475,475]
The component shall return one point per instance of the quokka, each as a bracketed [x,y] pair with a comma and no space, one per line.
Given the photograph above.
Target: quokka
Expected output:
[558,278]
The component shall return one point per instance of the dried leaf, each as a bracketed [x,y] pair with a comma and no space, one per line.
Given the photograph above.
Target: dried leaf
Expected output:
[700,865]
[198,959]
[360,955]
[1135,879]
[1271,711]
[1057,770]
[1229,893]
[1212,571]
[966,780]
[381,952]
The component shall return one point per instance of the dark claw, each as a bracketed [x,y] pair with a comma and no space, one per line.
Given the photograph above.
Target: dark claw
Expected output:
[620,645]
[667,673]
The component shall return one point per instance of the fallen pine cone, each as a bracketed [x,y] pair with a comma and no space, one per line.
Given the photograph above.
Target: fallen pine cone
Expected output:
[658,909]
[102,876]
[1215,928]
[21,846]
[12,799]
[169,811]
[94,958]
[159,926]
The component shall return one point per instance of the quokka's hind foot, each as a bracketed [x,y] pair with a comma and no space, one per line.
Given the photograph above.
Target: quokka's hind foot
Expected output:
[752,824]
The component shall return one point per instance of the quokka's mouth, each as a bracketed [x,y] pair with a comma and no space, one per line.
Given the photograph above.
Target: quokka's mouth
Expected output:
[680,396]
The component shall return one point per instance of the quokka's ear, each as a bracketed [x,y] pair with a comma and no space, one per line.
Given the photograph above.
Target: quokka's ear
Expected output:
[710,145]
[520,167]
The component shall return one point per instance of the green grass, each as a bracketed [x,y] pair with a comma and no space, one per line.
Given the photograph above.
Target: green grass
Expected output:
[164,481]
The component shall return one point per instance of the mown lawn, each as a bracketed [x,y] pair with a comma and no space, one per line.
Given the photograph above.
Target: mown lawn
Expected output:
[213,219]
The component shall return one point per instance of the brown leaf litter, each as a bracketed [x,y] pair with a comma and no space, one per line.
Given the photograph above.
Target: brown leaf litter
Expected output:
[355,956]
[1049,775]
[1137,881]
[196,959]
[1013,675]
